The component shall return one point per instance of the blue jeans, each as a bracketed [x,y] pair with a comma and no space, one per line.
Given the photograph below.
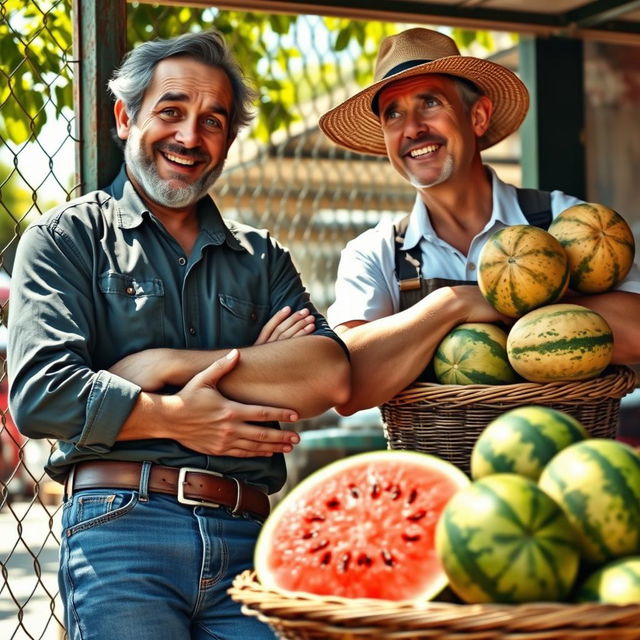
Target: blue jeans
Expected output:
[138,566]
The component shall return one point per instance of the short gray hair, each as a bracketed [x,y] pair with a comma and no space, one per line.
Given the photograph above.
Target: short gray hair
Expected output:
[132,79]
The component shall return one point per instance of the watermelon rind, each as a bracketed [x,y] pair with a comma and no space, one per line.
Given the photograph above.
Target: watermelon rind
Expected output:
[617,582]
[597,484]
[503,540]
[523,440]
[361,527]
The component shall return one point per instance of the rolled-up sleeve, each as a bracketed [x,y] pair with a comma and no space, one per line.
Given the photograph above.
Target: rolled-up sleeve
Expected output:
[54,390]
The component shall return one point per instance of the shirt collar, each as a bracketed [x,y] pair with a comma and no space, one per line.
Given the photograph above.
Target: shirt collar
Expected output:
[132,211]
[505,210]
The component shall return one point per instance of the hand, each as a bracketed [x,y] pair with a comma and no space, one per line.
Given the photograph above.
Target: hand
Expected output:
[145,368]
[214,425]
[285,325]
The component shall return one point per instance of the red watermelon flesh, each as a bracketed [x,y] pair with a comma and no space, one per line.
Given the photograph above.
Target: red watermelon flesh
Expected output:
[362,527]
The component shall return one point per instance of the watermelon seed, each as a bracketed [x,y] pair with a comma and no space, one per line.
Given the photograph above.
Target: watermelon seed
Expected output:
[375,490]
[344,562]
[326,558]
[354,491]
[412,496]
[309,534]
[334,503]
[364,559]
[407,538]
[418,515]
[315,518]
[395,491]
[387,558]
[321,545]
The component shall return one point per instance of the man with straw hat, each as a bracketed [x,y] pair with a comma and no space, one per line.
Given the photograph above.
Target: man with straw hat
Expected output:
[431,111]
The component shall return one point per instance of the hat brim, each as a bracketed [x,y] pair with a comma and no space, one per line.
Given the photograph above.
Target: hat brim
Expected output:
[353,124]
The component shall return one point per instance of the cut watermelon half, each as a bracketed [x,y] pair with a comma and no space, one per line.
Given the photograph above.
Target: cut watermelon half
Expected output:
[362,527]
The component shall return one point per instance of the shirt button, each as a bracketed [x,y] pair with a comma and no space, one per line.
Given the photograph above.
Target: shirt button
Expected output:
[254,315]
[192,331]
[472,266]
[130,290]
[182,261]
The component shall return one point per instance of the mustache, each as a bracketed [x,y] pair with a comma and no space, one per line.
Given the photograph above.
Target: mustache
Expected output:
[422,141]
[177,149]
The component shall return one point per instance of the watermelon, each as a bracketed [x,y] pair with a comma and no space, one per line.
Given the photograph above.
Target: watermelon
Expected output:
[599,244]
[363,526]
[502,539]
[473,353]
[521,268]
[617,582]
[597,484]
[523,441]
[560,342]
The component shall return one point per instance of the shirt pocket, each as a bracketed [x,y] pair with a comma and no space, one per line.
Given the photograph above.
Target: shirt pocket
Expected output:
[240,320]
[135,308]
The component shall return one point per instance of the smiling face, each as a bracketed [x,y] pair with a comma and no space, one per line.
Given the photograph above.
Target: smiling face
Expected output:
[177,145]
[431,136]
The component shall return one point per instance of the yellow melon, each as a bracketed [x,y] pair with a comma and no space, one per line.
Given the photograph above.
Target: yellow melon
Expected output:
[560,342]
[599,244]
[520,268]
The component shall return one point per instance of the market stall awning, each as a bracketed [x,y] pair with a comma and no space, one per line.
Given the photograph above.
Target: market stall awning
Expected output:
[613,20]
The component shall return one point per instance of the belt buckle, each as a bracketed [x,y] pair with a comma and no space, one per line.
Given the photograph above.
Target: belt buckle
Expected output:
[182,474]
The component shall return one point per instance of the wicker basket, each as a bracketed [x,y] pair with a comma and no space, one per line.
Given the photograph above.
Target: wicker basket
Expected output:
[446,419]
[302,616]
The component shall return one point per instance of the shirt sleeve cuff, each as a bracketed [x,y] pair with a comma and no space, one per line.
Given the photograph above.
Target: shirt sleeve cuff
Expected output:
[110,402]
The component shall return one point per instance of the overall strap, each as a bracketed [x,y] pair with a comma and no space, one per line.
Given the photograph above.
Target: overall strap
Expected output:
[536,207]
[408,263]
[408,268]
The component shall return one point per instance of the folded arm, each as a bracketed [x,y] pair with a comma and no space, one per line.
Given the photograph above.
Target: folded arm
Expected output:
[389,353]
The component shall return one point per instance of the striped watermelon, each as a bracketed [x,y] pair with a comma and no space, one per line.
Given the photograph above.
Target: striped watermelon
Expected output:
[502,539]
[523,441]
[521,268]
[473,353]
[597,484]
[617,582]
[599,244]
[560,342]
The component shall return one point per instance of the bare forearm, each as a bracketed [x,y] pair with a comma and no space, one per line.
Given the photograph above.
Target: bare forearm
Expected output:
[388,354]
[622,312]
[308,374]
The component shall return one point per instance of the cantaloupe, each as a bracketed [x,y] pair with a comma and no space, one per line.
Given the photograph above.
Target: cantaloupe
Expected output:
[560,342]
[599,244]
[520,268]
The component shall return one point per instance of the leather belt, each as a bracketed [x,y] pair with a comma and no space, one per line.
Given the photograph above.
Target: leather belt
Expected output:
[189,485]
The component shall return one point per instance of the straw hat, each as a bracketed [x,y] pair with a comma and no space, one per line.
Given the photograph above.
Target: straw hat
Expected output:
[354,125]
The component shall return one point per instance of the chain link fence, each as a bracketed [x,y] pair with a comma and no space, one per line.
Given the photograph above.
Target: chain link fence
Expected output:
[281,174]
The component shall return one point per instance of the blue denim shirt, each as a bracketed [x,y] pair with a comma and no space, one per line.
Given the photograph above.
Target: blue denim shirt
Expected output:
[100,278]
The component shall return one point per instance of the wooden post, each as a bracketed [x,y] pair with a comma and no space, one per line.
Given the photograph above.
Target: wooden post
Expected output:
[99,37]
[553,150]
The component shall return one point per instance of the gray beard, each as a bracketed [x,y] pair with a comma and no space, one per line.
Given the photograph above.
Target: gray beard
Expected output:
[445,174]
[144,170]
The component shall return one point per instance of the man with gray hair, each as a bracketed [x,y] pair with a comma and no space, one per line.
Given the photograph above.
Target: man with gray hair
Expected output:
[160,346]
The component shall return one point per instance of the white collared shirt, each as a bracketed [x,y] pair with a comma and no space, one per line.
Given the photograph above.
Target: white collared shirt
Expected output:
[366,286]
